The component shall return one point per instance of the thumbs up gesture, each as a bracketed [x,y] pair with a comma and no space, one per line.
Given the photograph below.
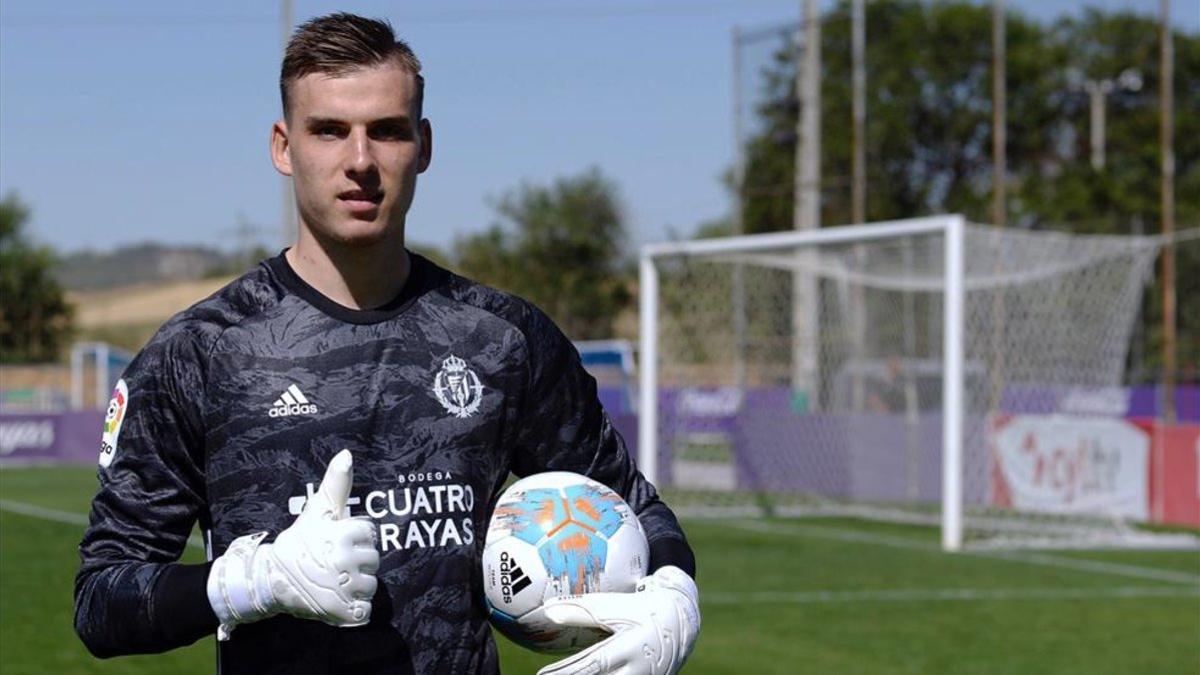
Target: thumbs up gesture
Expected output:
[322,567]
[329,502]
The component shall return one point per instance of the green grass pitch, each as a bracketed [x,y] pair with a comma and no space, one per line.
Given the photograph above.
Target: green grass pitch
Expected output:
[803,596]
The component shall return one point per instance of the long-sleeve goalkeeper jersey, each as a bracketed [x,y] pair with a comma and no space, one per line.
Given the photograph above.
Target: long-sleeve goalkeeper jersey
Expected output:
[231,413]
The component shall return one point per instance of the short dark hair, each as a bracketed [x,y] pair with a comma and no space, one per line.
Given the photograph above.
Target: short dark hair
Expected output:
[337,44]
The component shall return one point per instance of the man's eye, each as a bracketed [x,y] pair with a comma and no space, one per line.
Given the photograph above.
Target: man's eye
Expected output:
[328,132]
[390,132]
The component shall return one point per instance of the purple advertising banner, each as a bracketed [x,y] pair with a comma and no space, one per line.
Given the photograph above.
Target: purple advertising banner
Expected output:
[1137,402]
[51,438]
[74,437]
[759,420]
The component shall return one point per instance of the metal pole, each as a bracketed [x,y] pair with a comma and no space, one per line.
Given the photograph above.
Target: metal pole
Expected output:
[952,385]
[858,205]
[858,210]
[807,208]
[1097,91]
[999,116]
[1166,103]
[648,369]
[998,362]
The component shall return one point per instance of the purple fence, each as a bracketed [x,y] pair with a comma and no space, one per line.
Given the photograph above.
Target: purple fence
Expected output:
[51,438]
[775,447]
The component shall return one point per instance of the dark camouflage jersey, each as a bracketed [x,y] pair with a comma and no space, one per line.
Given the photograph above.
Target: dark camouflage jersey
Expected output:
[231,413]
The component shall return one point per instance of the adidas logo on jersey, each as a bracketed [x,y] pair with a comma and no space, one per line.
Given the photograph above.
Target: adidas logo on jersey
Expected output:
[292,402]
[512,579]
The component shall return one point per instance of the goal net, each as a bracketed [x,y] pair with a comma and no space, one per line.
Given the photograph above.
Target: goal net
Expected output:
[926,371]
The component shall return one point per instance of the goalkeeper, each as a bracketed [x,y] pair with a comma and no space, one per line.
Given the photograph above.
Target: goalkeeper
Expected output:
[339,422]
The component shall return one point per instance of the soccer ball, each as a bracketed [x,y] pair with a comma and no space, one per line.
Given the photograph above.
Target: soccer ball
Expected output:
[554,535]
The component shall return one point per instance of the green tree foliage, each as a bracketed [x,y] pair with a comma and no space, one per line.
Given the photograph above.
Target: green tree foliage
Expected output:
[928,131]
[35,319]
[560,247]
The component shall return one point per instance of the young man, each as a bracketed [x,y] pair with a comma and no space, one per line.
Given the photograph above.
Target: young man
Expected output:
[312,417]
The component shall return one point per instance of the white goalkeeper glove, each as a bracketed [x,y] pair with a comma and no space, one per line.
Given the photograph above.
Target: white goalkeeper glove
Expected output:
[322,567]
[653,628]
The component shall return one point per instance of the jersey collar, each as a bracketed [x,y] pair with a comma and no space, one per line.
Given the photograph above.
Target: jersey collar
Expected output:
[423,275]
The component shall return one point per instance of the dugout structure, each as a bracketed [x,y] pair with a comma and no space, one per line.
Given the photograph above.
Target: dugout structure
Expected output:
[611,363]
[946,373]
[95,369]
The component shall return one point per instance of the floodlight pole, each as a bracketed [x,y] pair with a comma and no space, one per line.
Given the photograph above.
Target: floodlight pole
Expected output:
[1166,103]
[999,116]
[858,198]
[999,192]
[806,211]
[859,112]
[1098,91]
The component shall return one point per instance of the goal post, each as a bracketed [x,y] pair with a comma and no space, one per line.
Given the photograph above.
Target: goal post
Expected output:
[949,354]
[949,226]
[952,386]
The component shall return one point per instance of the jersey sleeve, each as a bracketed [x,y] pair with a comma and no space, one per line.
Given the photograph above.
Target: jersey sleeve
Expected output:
[131,594]
[564,428]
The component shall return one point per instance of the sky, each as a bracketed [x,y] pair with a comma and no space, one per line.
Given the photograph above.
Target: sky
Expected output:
[148,121]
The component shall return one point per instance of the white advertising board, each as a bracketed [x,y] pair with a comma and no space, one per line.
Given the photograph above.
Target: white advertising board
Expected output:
[1071,465]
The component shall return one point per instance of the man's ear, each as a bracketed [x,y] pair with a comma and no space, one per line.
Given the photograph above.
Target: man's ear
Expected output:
[280,156]
[426,132]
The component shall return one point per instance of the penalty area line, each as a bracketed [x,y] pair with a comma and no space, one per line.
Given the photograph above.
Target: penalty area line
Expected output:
[65,517]
[945,595]
[1023,557]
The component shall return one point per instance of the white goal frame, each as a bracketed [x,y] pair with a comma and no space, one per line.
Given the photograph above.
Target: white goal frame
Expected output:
[950,226]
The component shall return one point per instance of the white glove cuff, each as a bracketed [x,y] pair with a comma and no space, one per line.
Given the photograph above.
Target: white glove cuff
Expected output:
[675,579]
[688,605]
[237,594]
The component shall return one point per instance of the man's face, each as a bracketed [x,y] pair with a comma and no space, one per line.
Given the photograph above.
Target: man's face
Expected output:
[353,150]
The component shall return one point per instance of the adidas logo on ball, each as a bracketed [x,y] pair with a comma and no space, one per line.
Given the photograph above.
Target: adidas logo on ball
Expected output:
[512,579]
[292,402]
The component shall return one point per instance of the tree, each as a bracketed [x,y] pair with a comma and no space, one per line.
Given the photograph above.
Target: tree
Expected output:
[560,247]
[35,319]
[928,130]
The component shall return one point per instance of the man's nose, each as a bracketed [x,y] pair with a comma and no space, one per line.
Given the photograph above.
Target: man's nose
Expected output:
[360,160]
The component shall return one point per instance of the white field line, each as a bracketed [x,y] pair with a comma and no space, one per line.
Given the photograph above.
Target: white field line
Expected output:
[54,515]
[1027,557]
[833,533]
[945,595]
[1102,567]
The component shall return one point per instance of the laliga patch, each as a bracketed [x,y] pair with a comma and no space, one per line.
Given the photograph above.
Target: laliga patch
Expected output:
[112,423]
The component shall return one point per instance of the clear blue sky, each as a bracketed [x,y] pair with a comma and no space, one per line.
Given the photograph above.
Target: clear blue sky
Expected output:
[145,120]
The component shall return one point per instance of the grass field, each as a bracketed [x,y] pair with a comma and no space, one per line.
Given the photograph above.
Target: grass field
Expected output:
[811,596]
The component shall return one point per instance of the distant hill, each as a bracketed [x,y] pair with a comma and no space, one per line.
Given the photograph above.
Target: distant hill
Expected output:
[146,263]
[140,303]
[126,316]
